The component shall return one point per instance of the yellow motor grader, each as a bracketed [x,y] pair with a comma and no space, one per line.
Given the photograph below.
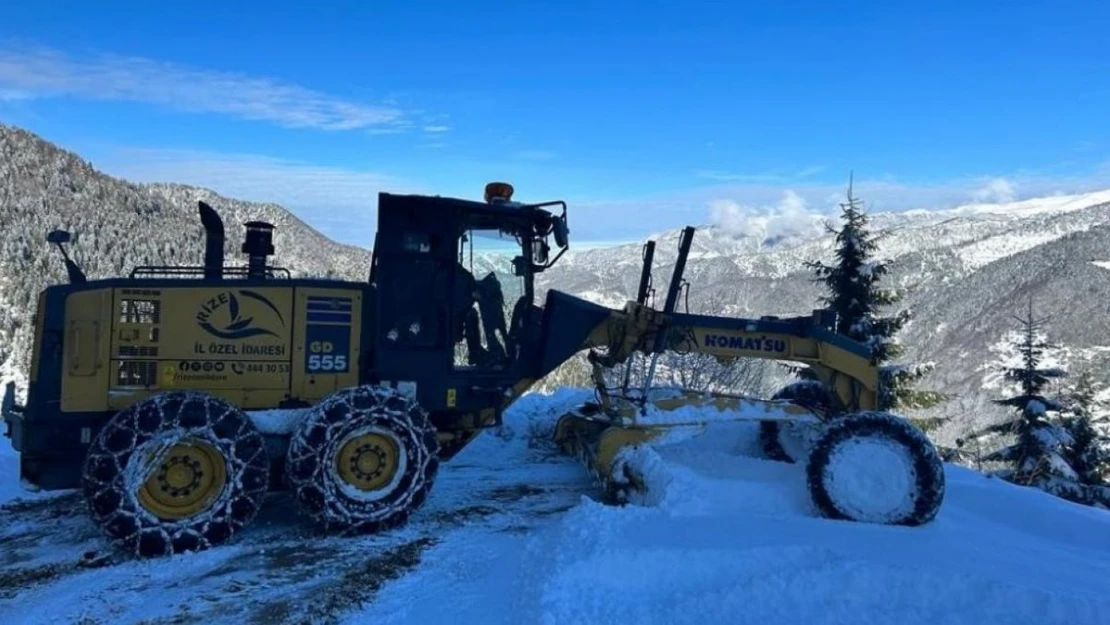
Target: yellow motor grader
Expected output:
[141,388]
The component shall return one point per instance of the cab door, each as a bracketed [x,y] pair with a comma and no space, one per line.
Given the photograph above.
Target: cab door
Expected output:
[415,280]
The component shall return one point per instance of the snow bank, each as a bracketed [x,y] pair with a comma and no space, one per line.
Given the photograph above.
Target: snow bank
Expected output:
[994,556]
[690,414]
[734,539]
[649,466]
[10,487]
[530,421]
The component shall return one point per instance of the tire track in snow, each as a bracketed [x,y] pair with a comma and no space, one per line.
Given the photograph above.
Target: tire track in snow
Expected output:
[279,569]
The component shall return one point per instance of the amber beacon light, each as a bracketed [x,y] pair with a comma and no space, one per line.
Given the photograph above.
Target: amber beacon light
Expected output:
[501,191]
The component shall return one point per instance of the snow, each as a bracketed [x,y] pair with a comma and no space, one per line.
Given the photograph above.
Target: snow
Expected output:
[276,422]
[1038,206]
[1050,435]
[1058,466]
[869,475]
[733,539]
[512,534]
[646,463]
[10,487]
[744,410]
[1006,354]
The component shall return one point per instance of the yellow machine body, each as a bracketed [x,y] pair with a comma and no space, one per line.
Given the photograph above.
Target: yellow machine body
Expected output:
[258,347]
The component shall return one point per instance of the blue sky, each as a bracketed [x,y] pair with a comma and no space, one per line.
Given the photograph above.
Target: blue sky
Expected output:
[644,116]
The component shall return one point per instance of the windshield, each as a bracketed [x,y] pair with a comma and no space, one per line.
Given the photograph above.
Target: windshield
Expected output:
[489,295]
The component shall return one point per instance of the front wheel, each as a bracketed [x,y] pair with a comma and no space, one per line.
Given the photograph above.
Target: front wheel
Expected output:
[875,467]
[363,460]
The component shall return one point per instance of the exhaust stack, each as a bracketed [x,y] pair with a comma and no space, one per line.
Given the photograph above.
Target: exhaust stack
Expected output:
[213,242]
[257,245]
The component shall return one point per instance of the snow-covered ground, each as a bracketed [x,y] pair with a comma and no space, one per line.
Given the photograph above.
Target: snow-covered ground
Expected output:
[512,534]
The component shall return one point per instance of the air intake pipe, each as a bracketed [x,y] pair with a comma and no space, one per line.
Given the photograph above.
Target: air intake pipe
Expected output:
[257,245]
[213,242]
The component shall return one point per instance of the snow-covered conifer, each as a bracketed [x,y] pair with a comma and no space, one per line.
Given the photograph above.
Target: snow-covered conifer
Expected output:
[856,297]
[1089,451]
[1037,454]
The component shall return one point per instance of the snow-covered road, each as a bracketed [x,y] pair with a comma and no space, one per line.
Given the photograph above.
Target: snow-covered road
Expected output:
[511,535]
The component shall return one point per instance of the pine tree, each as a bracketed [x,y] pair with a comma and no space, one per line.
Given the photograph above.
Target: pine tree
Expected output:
[854,294]
[1037,455]
[1089,453]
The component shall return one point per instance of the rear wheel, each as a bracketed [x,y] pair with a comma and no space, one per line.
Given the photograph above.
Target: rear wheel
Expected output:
[180,471]
[363,460]
[791,441]
[875,467]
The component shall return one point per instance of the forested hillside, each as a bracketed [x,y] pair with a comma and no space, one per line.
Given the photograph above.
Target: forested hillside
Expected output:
[116,226]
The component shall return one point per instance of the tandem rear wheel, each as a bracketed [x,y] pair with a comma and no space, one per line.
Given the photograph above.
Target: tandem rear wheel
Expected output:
[363,460]
[179,471]
[184,471]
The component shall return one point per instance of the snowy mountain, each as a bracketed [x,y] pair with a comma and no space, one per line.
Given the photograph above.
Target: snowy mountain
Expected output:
[511,534]
[953,243]
[966,271]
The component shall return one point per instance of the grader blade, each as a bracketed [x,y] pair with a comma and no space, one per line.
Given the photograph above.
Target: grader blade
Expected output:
[597,437]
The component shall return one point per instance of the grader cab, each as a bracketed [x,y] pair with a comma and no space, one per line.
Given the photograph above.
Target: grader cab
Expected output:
[145,390]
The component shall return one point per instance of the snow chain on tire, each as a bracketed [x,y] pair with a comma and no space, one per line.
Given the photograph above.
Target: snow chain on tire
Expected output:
[133,447]
[921,462]
[808,394]
[320,488]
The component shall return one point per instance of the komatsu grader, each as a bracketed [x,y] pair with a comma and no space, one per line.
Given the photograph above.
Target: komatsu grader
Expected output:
[144,390]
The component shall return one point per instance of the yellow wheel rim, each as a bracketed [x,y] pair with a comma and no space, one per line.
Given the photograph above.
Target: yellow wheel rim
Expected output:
[192,474]
[368,462]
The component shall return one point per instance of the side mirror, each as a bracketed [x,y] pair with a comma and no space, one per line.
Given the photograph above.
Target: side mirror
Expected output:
[58,237]
[540,251]
[561,231]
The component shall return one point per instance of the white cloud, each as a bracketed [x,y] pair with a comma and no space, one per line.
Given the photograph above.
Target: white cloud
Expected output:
[340,202]
[995,191]
[789,216]
[42,72]
[759,200]
[887,194]
[436,128]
